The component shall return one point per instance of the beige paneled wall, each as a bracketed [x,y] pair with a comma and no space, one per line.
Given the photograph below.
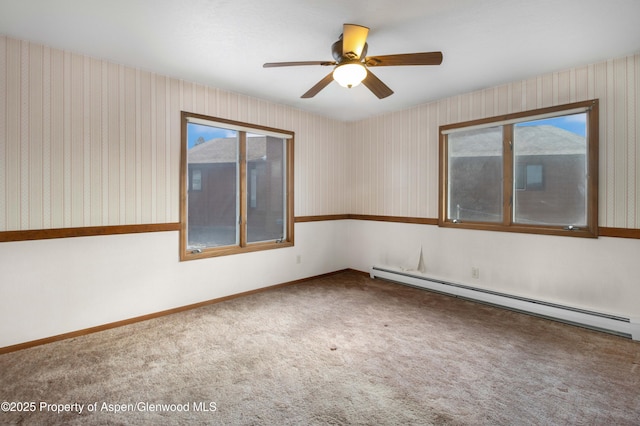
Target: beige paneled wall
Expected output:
[395,163]
[395,155]
[85,142]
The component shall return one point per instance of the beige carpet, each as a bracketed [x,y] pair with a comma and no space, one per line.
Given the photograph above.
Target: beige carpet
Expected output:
[338,350]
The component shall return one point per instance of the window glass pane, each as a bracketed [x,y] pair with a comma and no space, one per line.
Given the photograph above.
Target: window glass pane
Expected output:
[475,175]
[212,205]
[551,169]
[266,188]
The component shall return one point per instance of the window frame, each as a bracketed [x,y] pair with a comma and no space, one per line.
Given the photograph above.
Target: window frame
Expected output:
[243,246]
[508,122]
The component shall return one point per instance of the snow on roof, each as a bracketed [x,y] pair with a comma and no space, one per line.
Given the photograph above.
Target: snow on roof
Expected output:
[224,150]
[529,140]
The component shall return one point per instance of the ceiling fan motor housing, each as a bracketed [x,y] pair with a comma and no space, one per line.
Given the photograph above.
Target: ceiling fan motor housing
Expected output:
[336,52]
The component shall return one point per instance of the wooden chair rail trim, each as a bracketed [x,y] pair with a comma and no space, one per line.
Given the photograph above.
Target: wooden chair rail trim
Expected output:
[400,219]
[619,232]
[602,231]
[88,231]
[43,234]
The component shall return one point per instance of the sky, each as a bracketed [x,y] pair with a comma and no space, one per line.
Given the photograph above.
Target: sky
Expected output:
[194,131]
[576,123]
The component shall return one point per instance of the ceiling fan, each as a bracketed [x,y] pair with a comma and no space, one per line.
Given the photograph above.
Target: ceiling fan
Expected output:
[352,65]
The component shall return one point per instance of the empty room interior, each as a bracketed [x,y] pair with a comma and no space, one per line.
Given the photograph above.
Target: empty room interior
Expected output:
[328,212]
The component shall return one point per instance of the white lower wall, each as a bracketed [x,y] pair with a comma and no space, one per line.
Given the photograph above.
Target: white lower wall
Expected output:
[50,287]
[601,274]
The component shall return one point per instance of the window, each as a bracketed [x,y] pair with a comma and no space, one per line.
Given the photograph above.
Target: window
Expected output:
[529,177]
[534,172]
[196,179]
[236,187]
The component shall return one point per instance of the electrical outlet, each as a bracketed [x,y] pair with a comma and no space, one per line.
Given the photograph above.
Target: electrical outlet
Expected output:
[475,272]
[298,259]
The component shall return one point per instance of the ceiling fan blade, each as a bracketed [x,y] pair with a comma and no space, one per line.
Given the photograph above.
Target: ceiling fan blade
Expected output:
[295,64]
[376,85]
[354,38]
[319,86]
[424,58]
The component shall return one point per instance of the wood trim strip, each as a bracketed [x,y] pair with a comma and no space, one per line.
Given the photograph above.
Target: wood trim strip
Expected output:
[620,232]
[89,231]
[400,219]
[534,114]
[184,169]
[507,174]
[44,234]
[443,176]
[83,332]
[602,231]
[241,192]
[290,190]
[302,219]
[593,123]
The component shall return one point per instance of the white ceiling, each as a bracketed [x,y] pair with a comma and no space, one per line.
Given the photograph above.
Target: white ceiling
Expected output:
[223,43]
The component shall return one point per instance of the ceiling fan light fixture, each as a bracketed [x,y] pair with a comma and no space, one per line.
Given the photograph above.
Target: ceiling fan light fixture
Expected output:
[352,65]
[350,74]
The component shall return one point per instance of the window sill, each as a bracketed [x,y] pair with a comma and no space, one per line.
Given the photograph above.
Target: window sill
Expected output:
[231,250]
[525,229]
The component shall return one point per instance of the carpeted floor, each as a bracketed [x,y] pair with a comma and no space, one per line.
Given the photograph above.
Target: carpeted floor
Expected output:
[343,349]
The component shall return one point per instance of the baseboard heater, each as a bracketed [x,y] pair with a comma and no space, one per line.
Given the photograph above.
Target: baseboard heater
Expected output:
[613,324]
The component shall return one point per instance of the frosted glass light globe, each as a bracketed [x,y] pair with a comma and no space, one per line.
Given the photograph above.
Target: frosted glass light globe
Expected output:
[349,75]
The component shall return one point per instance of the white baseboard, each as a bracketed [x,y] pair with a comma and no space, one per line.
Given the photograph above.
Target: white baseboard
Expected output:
[621,326]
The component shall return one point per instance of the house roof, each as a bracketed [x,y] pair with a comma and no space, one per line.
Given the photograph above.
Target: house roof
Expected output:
[224,150]
[529,140]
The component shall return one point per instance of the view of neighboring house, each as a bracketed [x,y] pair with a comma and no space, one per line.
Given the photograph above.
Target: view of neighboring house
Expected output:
[213,178]
[550,165]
